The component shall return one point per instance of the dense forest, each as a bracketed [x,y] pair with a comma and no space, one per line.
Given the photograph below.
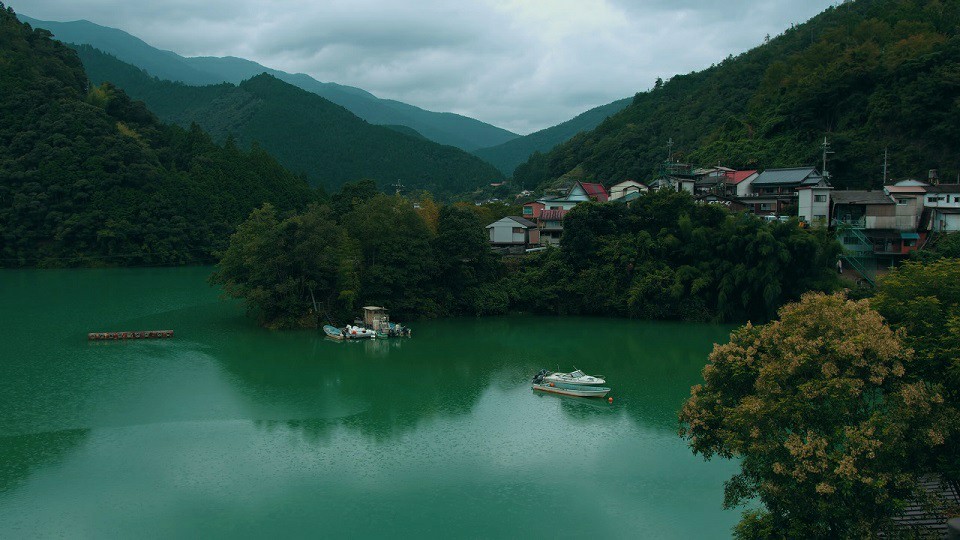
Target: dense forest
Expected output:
[663,257]
[89,176]
[869,74]
[304,131]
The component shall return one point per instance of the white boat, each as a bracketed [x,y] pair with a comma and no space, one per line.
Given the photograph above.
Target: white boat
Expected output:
[572,389]
[359,332]
[575,377]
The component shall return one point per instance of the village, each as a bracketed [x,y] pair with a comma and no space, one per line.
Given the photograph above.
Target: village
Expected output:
[877,228]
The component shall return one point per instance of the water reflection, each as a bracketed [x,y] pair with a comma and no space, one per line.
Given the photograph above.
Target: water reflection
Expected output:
[23,455]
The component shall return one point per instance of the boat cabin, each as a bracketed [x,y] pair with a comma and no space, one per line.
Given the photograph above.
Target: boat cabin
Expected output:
[375,317]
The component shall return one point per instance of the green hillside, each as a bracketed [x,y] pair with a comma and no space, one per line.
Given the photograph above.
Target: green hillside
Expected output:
[869,74]
[304,131]
[509,155]
[88,176]
[445,128]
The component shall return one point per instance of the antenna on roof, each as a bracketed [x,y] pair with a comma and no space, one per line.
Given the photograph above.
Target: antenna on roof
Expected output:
[826,150]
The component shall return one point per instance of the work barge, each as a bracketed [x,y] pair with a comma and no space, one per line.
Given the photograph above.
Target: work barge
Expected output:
[142,334]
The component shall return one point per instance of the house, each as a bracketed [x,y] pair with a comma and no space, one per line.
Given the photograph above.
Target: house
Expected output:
[774,190]
[550,226]
[943,203]
[813,204]
[867,222]
[738,183]
[532,209]
[622,189]
[676,177]
[513,234]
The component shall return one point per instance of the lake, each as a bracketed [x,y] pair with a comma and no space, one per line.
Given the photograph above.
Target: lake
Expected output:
[229,430]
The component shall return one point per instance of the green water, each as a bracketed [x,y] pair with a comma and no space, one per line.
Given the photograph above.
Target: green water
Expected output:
[228,430]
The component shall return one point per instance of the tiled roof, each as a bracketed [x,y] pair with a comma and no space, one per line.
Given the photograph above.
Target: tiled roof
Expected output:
[905,189]
[595,190]
[856,196]
[795,175]
[552,215]
[735,177]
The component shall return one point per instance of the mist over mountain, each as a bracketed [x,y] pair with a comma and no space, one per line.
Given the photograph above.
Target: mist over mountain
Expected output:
[304,131]
[445,128]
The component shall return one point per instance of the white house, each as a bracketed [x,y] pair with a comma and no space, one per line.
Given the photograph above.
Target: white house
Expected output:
[813,203]
[621,190]
[513,232]
[943,201]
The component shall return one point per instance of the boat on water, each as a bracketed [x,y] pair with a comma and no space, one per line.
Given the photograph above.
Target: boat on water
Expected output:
[572,389]
[574,377]
[333,332]
[359,332]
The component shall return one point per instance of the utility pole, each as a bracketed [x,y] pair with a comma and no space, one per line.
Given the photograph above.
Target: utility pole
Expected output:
[826,150]
[399,186]
[885,155]
[670,150]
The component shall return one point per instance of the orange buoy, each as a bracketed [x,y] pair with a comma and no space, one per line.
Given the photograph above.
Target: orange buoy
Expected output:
[610,400]
[551,385]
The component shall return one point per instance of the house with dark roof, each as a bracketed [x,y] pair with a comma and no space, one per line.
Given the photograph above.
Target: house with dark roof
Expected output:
[943,203]
[513,234]
[773,190]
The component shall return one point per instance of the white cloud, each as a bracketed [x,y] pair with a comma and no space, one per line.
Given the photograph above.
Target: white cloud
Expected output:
[519,64]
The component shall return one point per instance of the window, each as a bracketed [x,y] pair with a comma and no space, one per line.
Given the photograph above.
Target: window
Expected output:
[902,202]
[910,243]
[766,206]
[527,210]
[956,199]
[820,217]
[518,230]
[819,198]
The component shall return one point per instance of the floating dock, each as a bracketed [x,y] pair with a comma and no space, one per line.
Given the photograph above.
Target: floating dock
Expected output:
[147,334]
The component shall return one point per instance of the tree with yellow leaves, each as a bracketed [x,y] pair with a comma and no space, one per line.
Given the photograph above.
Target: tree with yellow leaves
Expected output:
[820,408]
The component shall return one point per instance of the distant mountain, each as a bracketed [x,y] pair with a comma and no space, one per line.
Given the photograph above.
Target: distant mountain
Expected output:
[508,155]
[90,177]
[869,75]
[444,128]
[305,132]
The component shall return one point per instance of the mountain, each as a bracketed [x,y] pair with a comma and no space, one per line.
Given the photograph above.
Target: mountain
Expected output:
[89,176]
[445,128]
[869,75]
[508,155]
[304,131]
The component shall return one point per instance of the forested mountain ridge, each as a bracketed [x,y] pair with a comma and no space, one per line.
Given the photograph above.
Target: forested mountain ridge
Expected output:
[304,131]
[445,128]
[88,176]
[868,74]
[509,155]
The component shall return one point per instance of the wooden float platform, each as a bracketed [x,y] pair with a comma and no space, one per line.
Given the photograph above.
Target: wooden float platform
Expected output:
[145,334]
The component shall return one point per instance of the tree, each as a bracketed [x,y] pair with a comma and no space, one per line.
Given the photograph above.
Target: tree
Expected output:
[295,272]
[924,301]
[820,408]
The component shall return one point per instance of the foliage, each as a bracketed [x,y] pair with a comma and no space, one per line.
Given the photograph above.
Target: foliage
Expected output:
[822,411]
[666,257]
[304,131]
[285,270]
[924,301]
[89,176]
[871,74]
[318,266]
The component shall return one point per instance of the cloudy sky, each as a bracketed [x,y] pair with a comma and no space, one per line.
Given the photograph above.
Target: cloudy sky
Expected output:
[519,64]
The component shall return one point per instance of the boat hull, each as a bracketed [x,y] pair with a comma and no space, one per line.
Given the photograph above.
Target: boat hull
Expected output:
[572,390]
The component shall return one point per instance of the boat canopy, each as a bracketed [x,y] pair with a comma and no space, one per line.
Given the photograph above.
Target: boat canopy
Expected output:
[578,374]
